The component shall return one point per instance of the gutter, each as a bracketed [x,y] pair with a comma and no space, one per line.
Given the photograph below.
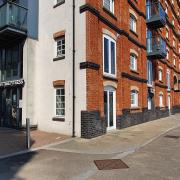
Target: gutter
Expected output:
[73,73]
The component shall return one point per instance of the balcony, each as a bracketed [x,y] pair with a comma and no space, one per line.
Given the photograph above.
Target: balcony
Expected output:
[13,22]
[156,48]
[155,15]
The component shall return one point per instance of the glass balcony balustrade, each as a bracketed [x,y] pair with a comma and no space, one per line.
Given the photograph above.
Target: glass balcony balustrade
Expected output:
[13,20]
[155,15]
[156,48]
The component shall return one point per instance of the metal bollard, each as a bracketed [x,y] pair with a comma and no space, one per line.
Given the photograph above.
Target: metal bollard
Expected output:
[28,136]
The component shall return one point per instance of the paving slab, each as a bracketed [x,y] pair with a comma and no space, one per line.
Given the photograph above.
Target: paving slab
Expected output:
[14,141]
[118,141]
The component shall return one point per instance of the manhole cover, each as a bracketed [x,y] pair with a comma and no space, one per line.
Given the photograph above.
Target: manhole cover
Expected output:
[109,164]
[172,136]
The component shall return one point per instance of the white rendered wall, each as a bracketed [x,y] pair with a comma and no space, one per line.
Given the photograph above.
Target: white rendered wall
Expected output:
[38,93]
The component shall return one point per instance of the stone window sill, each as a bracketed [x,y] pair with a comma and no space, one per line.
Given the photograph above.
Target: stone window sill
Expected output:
[135,108]
[134,71]
[61,119]
[109,77]
[59,58]
[133,32]
[58,4]
[110,13]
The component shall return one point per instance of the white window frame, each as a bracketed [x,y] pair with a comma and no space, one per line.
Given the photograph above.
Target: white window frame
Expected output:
[149,73]
[167,56]
[168,80]
[111,5]
[160,74]
[109,59]
[55,100]
[174,61]
[134,97]
[60,39]
[133,61]
[133,23]
[161,100]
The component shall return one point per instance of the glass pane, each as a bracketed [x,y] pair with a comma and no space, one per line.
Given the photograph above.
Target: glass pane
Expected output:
[105,107]
[62,91]
[111,113]
[58,92]
[106,55]
[112,58]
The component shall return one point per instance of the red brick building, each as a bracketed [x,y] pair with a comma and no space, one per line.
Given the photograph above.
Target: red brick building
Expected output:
[132,61]
[84,67]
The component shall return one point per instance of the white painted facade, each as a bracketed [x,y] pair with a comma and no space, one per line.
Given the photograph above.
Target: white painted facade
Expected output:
[39,69]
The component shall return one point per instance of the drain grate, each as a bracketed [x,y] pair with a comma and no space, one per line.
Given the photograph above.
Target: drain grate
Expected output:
[172,136]
[109,164]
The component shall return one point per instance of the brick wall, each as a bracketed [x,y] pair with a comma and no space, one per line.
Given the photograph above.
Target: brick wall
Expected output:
[96,23]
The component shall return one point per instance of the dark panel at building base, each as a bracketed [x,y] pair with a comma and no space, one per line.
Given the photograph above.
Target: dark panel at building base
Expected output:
[130,119]
[92,125]
[176,109]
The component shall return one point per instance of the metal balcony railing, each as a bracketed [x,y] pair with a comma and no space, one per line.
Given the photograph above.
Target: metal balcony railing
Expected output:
[156,47]
[14,16]
[155,15]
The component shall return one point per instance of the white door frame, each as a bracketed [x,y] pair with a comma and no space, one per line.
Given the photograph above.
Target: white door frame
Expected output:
[169,104]
[109,89]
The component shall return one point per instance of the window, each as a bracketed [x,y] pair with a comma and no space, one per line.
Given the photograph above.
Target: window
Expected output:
[160,75]
[109,5]
[173,21]
[161,100]
[167,33]
[109,55]
[175,83]
[149,72]
[167,56]
[61,47]
[166,10]
[174,42]
[133,23]
[174,61]
[168,81]
[149,103]
[133,62]
[134,98]
[60,101]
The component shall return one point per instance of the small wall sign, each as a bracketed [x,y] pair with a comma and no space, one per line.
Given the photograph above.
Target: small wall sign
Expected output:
[19,82]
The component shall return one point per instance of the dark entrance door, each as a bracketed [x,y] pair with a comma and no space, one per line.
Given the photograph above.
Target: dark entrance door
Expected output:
[11,113]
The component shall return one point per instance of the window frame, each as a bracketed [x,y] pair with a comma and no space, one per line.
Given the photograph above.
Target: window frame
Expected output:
[149,72]
[135,94]
[161,104]
[160,75]
[61,38]
[133,58]
[55,102]
[110,40]
[111,6]
[133,23]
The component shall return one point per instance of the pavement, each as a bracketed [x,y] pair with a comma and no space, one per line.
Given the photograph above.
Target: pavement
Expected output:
[146,149]
[118,141]
[13,141]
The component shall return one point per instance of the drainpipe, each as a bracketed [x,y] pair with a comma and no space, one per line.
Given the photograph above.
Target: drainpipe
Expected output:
[73,51]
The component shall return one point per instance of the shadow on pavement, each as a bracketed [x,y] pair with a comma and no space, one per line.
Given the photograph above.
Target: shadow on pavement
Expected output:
[12,141]
[10,167]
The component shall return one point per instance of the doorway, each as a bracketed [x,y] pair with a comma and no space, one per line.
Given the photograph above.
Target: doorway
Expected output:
[11,114]
[110,107]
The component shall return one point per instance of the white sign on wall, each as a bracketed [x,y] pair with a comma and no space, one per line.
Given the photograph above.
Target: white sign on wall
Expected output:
[12,83]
